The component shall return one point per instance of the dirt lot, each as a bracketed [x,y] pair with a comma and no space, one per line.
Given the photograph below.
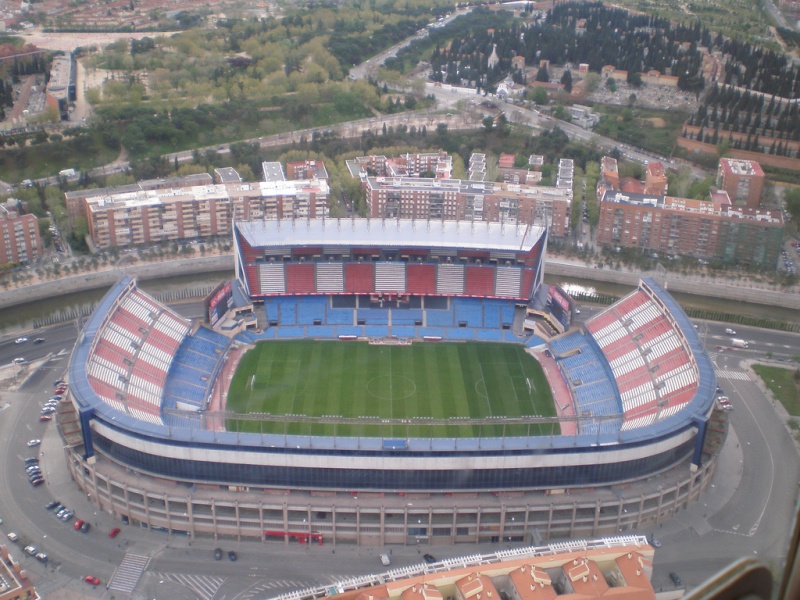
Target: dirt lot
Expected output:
[69,41]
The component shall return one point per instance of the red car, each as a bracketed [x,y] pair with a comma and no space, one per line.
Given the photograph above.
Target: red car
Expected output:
[92,579]
[78,524]
[114,532]
[60,390]
[45,418]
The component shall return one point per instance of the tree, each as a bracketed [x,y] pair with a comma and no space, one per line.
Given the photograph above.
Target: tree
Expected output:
[590,82]
[791,198]
[539,95]
[566,80]
[542,75]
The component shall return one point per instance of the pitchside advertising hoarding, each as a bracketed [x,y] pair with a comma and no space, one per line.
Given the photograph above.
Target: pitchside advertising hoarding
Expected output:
[218,302]
[560,305]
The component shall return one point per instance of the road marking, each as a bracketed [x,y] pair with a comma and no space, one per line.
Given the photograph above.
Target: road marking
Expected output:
[205,586]
[739,375]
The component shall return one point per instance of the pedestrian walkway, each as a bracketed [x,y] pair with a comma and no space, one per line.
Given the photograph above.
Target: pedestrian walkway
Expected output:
[129,573]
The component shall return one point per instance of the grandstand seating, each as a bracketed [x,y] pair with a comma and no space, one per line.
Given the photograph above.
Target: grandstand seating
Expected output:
[593,387]
[329,277]
[528,276]
[192,369]
[508,282]
[450,279]
[339,316]
[652,366]
[373,316]
[300,278]
[272,278]
[468,311]
[406,316]
[421,279]
[479,281]
[132,355]
[310,309]
[390,277]
[359,278]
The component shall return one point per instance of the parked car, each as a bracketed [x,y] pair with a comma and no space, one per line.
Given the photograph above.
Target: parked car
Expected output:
[85,527]
[31,460]
[232,555]
[51,505]
[59,382]
[675,579]
[429,558]
[45,418]
[655,542]
[66,516]
[114,532]
[33,443]
[41,557]
[91,579]
[12,536]
[20,361]
[217,553]
[32,550]
[78,524]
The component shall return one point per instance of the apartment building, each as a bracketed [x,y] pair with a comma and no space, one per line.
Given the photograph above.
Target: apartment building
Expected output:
[714,229]
[19,236]
[77,201]
[143,214]
[435,164]
[742,179]
[429,198]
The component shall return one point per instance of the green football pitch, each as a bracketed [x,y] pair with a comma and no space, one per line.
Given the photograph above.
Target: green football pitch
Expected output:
[424,380]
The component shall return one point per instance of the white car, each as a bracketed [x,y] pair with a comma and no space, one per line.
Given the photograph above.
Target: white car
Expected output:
[13,536]
[20,340]
[385,560]
[32,550]
[33,443]
[730,331]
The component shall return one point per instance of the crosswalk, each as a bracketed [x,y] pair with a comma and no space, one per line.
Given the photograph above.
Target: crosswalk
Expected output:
[205,586]
[128,573]
[738,375]
[274,587]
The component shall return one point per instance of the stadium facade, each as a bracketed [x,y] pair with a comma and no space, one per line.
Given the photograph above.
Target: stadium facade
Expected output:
[146,386]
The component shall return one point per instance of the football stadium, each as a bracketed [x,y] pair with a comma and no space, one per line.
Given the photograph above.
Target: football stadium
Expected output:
[357,364]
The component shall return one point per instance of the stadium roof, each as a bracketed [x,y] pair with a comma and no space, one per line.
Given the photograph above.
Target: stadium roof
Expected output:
[390,232]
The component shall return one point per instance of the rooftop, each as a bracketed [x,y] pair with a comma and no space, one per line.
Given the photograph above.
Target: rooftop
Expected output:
[390,232]
[741,167]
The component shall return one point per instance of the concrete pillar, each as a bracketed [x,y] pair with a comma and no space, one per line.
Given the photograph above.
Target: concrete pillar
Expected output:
[261,521]
[383,526]
[190,515]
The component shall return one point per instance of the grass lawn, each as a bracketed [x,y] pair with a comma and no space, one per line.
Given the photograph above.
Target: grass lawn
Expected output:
[354,379]
[783,385]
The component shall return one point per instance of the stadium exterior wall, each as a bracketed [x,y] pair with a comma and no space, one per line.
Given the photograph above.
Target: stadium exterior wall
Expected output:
[378,519]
